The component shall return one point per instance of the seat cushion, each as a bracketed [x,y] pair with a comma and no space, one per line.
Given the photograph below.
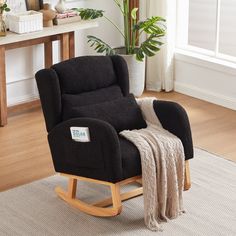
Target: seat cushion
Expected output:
[131,162]
[122,114]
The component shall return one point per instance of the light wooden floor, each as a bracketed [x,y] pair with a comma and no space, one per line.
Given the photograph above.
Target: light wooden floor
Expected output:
[25,156]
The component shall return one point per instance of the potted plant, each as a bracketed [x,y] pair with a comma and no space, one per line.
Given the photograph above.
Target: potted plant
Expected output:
[3,8]
[134,51]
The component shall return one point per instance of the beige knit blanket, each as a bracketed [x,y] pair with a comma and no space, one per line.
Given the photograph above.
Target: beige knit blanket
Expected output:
[162,159]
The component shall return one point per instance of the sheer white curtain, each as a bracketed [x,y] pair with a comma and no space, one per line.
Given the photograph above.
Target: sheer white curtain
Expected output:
[160,68]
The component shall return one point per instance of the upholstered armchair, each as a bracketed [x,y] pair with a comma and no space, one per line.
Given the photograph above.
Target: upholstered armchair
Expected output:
[93,92]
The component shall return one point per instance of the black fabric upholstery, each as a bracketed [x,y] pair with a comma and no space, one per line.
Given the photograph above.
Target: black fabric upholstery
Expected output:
[174,118]
[70,101]
[122,73]
[77,75]
[98,86]
[100,158]
[131,162]
[50,96]
[84,99]
[122,114]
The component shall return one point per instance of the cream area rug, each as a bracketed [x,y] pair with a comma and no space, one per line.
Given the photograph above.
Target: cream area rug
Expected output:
[210,205]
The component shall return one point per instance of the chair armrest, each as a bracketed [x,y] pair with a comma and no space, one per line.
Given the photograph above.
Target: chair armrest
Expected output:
[100,158]
[174,118]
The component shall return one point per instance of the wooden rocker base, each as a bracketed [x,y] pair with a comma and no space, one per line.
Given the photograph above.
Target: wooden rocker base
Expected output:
[101,208]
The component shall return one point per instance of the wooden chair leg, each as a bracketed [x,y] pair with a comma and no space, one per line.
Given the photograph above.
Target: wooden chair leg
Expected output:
[187,179]
[72,186]
[97,209]
[116,199]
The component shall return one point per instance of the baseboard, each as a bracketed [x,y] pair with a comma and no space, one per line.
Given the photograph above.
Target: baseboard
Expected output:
[22,99]
[206,95]
[24,105]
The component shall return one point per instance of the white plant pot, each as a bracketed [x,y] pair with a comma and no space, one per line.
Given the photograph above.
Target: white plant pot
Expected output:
[136,74]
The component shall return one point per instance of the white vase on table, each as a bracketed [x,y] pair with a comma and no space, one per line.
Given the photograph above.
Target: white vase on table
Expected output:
[61,6]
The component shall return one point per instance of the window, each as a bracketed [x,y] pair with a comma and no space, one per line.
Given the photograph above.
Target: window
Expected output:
[208,27]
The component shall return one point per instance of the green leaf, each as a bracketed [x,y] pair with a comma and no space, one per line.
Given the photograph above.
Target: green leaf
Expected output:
[147,52]
[100,46]
[152,25]
[149,47]
[140,55]
[153,48]
[134,13]
[89,14]
[154,42]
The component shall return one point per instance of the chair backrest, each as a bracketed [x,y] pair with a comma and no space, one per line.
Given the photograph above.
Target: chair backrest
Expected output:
[82,81]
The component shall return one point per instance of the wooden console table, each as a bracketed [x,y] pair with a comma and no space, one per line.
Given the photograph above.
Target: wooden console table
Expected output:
[63,33]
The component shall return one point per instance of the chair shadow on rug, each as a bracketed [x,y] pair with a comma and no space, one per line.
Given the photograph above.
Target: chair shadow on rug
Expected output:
[93,92]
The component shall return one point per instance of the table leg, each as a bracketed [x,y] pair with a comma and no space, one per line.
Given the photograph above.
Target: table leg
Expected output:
[65,52]
[48,54]
[72,44]
[3,93]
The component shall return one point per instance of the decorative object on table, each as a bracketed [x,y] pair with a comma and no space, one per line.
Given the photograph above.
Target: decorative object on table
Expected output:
[60,6]
[3,27]
[35,5]
[153,27]
[25,22]
[3,8]
[17,5]
[68,16]
[48,15]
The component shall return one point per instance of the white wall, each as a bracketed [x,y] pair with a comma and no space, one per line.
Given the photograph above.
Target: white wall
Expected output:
[205,79]
[23,63]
